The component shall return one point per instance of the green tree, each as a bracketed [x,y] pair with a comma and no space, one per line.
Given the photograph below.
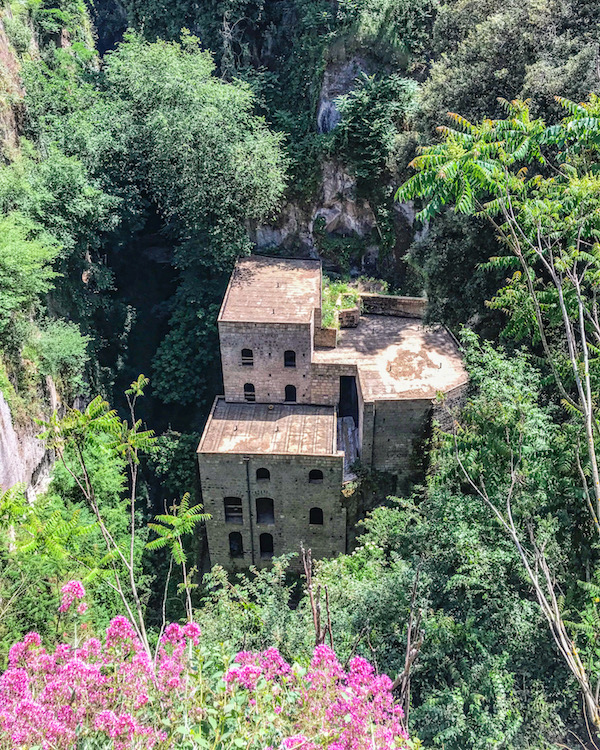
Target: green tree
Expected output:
[62,352]
[26,256]
[170,528]
[163,136]
[373,115]
[539,188]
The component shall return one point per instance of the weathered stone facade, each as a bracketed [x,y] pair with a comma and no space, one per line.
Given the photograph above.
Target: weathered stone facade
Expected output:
[267,373]
[302,404]
[293,498]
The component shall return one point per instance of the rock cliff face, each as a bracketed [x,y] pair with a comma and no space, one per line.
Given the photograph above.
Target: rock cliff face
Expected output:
[11,92]
[339,78]
[335,208]
[23,458]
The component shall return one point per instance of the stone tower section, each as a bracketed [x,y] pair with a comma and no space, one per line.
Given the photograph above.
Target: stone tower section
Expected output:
[302,404]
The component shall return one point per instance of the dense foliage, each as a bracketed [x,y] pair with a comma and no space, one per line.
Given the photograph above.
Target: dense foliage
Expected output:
[135,171]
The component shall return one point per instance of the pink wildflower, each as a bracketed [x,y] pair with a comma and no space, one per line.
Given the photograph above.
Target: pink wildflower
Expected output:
[297,741]
[70,591]
[119,629]
[192,631]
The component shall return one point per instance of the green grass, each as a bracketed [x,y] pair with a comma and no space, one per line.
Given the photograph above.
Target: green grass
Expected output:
[337,295]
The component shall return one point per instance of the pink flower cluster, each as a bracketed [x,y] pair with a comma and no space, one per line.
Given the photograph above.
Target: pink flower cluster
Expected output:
[337,710]
[112,691]
[269,664]
[70,592]
[102,689]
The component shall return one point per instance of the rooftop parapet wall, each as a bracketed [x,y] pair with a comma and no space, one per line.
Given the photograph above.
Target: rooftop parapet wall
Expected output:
[388,304]
[326,337]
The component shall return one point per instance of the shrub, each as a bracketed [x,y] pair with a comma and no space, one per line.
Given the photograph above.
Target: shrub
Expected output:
[62,352]
[18,33]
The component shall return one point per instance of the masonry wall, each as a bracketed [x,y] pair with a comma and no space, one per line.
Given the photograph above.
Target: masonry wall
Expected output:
[268,374]
[399,430]
[444,413]
[225,475]
[388,304]
[325,382]
[326,337]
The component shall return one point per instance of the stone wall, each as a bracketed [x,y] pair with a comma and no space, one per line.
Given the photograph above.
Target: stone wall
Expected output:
[399,430]
[445,412]
[399,307]
[326,337]
[226,475]
[268,374]
[349,318]
[325,382]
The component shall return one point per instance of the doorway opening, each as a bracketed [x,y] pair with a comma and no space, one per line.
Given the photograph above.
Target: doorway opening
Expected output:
[348,406]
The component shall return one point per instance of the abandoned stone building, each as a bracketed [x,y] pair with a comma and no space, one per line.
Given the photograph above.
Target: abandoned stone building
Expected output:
[303,403]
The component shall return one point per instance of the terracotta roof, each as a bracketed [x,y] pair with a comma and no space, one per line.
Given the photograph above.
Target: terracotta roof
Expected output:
[398,358]
[272,290]
[269,428]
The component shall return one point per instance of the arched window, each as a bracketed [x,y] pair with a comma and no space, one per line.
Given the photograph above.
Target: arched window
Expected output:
[249,392]
[315,517]
[263,474]
[264,511]
[247,357]
[233,510]
[290,393]
[266,546]
[315,476]
[289,358]
[236,546]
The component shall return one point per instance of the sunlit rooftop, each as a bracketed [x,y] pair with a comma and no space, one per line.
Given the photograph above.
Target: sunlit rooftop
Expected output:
[269,428]
[398,358]
[272,290]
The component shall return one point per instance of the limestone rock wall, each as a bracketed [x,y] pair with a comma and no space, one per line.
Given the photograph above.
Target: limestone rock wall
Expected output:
[11,92]
[335,208]
[23,458]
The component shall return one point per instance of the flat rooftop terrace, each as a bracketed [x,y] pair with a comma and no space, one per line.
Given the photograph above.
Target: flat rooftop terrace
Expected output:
[272,290]
[397,358]
[269,428]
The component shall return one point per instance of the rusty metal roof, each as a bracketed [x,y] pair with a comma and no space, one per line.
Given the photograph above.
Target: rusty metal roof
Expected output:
[272,290]
[269,428]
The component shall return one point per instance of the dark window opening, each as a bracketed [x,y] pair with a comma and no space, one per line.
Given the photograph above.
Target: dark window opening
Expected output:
[348,406]
[289,358]
[265,513]
[262,474]
[247,357]
[290,393]
[315,476]
[236,546]
[316,516]
[249,392]
[233,510]
[266,546]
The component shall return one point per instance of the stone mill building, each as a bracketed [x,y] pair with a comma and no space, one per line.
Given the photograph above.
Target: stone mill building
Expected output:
[303,403]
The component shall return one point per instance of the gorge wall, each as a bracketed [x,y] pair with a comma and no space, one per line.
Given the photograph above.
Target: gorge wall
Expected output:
[23,458]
